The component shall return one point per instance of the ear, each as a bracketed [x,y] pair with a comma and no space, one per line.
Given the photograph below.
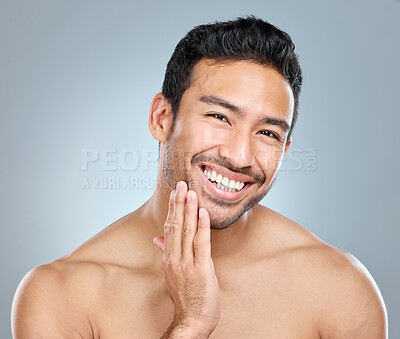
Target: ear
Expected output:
[160,119]
[287,145]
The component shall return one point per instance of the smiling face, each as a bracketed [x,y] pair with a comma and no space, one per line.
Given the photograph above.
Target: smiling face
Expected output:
[229,136]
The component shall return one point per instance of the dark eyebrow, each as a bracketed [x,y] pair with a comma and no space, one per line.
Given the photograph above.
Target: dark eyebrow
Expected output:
[212,99]
[276,122]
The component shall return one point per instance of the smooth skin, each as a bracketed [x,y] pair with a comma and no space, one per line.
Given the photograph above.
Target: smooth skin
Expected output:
[263,276]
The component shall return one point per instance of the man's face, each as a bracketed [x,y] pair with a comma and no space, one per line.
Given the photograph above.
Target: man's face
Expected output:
[229,136]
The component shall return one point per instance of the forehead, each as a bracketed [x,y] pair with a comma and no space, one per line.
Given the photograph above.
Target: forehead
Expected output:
[249,85]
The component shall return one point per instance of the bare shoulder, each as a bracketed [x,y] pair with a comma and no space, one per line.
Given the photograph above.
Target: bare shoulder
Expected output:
[281,235]
[346,299]
[61,299]
[351,305]
[55,300]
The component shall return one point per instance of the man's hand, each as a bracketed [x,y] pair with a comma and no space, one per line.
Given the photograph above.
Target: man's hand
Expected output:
[187,264]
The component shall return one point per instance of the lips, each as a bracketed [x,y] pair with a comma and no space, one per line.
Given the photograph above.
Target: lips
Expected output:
[227,173]
[223,183]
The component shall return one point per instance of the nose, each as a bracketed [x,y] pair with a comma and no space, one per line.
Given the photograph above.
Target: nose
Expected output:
[238,149]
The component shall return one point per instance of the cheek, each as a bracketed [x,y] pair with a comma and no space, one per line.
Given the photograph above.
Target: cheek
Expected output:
[201,136]
[269,159]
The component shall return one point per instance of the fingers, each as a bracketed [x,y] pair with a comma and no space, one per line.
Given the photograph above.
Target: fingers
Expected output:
[177,222]
[159,242]
[202,244]
[190,228]
[186,232]
[167,225]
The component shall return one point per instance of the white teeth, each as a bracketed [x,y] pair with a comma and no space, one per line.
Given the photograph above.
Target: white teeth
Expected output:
[223,182]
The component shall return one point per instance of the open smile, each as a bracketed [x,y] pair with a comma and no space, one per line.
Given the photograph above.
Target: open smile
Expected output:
[223,183]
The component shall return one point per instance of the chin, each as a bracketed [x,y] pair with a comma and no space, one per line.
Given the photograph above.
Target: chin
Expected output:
[223,216]
[220,224]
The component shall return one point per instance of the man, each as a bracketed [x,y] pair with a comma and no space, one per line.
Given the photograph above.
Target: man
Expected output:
[228,267]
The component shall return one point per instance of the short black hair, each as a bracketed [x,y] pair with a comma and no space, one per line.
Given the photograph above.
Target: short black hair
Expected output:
[246,38]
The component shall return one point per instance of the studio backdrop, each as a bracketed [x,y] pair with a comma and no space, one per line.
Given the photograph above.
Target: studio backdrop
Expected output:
[76,82]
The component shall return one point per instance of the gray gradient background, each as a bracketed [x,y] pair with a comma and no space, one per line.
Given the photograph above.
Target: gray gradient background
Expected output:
[81,74]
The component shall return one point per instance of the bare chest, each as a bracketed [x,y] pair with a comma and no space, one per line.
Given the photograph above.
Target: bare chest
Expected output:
[253,305]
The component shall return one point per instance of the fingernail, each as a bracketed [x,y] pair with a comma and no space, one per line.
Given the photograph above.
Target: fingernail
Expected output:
[201,213]
[189,197]
[180,186]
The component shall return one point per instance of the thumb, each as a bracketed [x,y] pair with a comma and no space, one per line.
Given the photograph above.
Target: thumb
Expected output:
[159,242]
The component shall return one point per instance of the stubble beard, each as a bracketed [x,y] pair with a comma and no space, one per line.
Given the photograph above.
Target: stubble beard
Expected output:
[174,171]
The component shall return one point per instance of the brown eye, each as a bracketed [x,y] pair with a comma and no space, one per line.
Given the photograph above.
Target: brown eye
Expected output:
[218,116]
[270,134]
